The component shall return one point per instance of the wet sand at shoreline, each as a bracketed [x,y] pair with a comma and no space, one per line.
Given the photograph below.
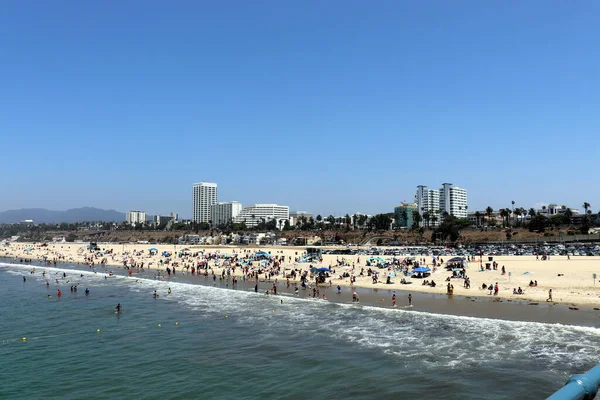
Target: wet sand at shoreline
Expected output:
[478,304]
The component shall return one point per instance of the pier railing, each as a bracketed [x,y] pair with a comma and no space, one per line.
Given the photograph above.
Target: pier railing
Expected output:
[580,387]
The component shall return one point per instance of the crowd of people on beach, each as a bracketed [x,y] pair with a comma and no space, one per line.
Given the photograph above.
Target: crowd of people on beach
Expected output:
[231,266]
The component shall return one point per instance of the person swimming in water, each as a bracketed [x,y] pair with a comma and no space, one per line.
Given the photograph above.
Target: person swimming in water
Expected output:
[87,291]
[170,291]
[155,295]
[118,308]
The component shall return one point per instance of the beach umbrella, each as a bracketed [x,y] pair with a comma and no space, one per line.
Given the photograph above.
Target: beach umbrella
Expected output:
[153,249]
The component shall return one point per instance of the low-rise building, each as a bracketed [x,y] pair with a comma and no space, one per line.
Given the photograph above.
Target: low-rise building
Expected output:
[257,213]
[225,212]
[135,217]
[158,220]
[404,216]
[299,216]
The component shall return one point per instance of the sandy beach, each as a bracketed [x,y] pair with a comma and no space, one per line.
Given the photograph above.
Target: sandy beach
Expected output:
[571,280]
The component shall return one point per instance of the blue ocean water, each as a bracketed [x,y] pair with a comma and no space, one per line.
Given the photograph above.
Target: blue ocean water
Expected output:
[218,343]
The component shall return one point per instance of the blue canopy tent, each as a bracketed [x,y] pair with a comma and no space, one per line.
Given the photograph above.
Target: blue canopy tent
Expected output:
[421,270]
[461,260]
[263,254]
[153,249]
[319,271]
[166,254]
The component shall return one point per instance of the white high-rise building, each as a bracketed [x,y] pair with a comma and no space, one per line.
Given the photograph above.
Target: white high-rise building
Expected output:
[224,212]
[428,201]
[135,217]
[448,198]
[204,195]
[252,215]
[453,200]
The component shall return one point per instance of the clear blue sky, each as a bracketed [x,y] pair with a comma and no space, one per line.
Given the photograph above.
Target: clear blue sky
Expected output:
[327,106]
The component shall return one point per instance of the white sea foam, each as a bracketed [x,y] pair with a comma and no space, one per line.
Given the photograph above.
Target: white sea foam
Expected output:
[432,339]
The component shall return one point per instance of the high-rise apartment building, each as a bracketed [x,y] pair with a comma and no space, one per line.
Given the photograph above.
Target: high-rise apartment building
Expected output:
[204,195]
[135,217]
[435,202]
[224,212]
[453,200]
[428,201]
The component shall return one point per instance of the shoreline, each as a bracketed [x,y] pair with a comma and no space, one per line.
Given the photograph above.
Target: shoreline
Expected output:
[572,291]
[431,303]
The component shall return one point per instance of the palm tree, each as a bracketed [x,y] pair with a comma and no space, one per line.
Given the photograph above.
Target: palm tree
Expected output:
[416,219]
[404,218]
[362,220]
[513,210]
[504,213]
[522,214]
[426,217]
[568,214]
[477,215]
[331,220]
[586,205]
[434,219]
[489,210]
[347,220]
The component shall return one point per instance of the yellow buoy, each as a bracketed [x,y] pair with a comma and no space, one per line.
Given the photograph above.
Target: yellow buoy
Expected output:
[159,325]
[24,339]
[273,310]
[176,323]
[98,330]
[227,316]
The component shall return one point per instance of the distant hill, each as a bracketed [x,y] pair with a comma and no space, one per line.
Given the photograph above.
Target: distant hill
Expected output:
[41,215]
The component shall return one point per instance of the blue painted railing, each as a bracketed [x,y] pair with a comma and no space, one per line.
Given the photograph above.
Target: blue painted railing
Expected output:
[580,387]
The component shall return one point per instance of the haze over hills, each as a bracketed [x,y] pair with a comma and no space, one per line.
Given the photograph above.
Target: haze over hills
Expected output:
[42,215]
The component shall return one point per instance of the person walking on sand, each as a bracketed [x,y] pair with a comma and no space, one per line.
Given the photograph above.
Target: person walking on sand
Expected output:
[549,295]
[394,299]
